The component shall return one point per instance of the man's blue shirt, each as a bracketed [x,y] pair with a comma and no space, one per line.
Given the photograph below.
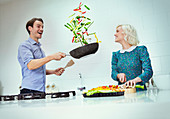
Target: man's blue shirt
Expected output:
[32,79]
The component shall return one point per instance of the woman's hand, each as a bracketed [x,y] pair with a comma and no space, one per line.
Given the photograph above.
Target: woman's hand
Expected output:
[59,71]
[121,77]
[132,83]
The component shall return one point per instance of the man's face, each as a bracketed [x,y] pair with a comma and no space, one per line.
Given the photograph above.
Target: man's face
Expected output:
[37,30]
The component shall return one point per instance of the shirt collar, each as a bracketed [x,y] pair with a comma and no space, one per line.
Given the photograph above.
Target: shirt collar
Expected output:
[33,42]
[128,50]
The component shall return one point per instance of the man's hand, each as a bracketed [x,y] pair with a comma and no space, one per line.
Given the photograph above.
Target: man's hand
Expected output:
[58,56]
[59,71]
[121,77]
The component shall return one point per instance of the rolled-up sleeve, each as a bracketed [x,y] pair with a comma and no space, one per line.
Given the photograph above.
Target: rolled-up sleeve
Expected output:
[114,67]
[25,54]
[146,65]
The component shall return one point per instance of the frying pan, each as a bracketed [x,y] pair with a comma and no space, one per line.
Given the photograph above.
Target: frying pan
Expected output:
[84,50]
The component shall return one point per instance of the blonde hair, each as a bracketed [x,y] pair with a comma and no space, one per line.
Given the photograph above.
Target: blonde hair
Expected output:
[131,34]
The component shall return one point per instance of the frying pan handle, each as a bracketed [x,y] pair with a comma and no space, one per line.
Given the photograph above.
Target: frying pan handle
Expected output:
[67,54]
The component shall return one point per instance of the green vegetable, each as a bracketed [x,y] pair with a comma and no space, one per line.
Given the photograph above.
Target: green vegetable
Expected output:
[75,35]
[82,24]
[68,27]
[80,27]
[88,19]
[78,17]
[87,23]
[139,86]
[90,24]
[85,28]
[71,15]
[91,92]
[86,7]
[84,41]
[91,33]
[74,22]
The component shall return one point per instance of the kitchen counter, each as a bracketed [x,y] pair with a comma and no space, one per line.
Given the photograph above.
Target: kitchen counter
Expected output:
[151,104]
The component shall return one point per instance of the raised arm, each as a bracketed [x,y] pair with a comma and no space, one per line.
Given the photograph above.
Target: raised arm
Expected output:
[36,63]
[28,59]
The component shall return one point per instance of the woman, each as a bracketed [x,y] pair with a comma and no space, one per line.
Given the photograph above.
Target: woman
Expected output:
[131,65]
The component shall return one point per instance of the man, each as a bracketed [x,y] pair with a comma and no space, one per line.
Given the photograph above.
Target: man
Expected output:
[33,60]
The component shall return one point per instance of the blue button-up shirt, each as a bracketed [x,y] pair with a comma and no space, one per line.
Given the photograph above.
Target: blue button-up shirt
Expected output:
[32,79]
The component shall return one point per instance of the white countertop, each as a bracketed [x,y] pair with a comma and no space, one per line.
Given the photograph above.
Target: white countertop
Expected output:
[151,104]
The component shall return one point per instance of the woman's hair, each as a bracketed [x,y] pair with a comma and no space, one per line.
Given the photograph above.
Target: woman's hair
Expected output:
[31,22]
[131,34]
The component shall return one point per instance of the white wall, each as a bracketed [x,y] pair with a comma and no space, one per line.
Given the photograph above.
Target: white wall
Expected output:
[151,18]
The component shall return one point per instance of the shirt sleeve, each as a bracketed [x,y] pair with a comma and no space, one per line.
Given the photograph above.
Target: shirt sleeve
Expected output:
[26,54]
[114,67]
[146,65]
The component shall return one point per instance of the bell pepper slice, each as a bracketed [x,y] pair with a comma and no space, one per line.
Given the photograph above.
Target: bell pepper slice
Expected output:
[86,7]
[73,40]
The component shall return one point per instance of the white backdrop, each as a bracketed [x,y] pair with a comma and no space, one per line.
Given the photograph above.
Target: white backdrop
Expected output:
[151,18]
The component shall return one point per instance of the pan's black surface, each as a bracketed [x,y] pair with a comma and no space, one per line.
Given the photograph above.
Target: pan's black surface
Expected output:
[84,50]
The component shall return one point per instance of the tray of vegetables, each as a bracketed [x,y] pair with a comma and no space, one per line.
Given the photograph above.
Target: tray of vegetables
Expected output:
[104,91]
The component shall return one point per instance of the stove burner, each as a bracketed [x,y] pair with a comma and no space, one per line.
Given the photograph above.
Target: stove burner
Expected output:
[7,97]
[30,96]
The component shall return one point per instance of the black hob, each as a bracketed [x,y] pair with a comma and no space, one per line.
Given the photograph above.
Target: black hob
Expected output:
[30,96]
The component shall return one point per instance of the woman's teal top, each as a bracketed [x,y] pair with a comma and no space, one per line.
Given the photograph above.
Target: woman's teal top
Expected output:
[135,63]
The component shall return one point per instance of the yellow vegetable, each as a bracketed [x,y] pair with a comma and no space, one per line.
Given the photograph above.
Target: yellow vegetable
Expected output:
[72,20]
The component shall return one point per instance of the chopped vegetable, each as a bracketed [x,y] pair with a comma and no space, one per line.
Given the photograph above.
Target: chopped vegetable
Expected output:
[104,89]
[86,7]
[72,20]
[79,25]
[90,24]
[139,86]
[87,23]
[85,28]
[83,12]
[71,15]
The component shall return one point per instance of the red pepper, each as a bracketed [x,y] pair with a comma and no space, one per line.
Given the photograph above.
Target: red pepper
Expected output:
[80,6]
[83,12]
[79,21]
[85,32]
[76,9]
[103,87]
[73,40]
[110,86]
[117,86]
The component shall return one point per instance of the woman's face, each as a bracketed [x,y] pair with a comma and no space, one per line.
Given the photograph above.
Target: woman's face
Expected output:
[119,35]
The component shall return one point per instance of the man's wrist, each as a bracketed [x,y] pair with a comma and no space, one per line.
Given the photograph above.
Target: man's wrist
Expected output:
[50,58]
